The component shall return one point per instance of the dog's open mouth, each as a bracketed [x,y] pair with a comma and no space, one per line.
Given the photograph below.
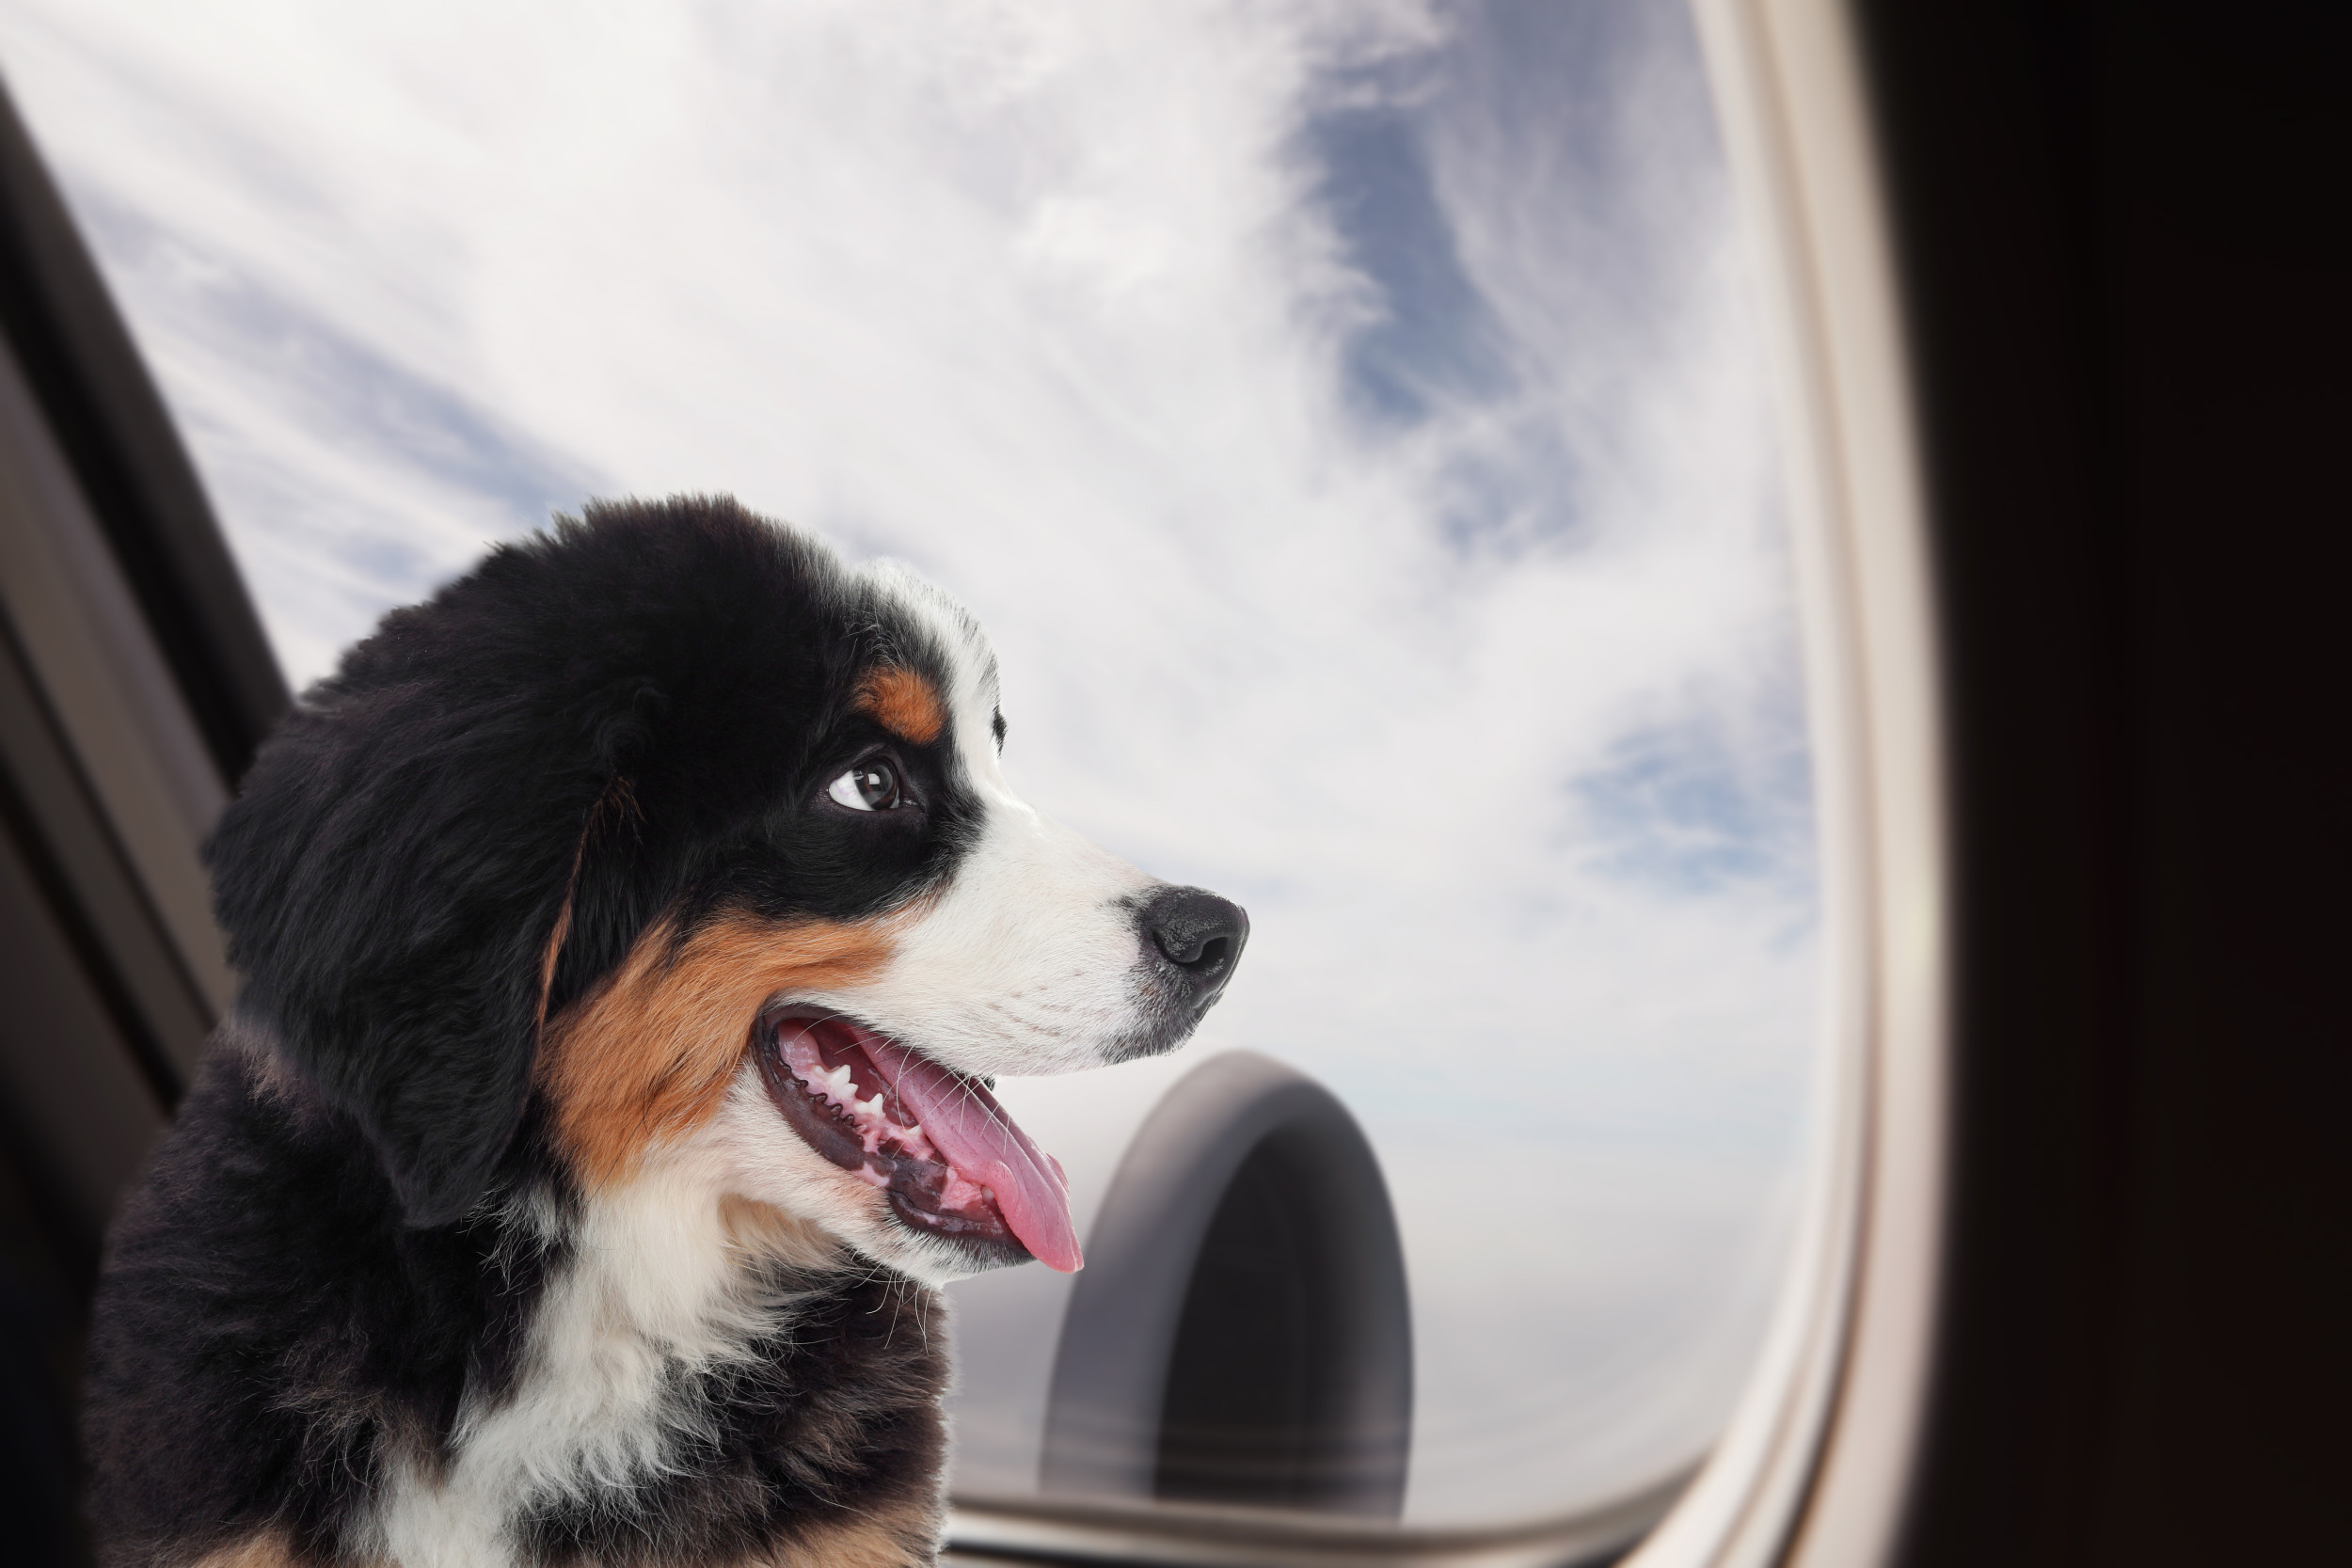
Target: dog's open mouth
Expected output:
[952,1162]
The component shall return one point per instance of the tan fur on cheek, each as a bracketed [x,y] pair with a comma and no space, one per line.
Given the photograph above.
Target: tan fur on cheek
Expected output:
[271,1548]
[650,1052]
[902,1537]
[905,704]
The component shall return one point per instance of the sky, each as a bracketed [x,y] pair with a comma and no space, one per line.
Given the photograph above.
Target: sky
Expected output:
[1348,419]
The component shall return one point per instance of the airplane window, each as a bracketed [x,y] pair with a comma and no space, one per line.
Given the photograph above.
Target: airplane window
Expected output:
[1351,424]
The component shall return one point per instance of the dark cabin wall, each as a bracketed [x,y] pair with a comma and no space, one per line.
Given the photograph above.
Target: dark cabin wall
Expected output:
[134,685]
[2125,254]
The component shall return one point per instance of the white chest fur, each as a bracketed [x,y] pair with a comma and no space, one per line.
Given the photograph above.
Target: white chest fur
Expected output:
[657,1291]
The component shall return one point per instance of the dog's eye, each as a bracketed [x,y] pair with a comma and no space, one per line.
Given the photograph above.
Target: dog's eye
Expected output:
[869,786]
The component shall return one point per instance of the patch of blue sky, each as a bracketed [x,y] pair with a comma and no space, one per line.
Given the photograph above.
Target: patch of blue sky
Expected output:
[332,378]
[1681,804]
[1424,334]
[293,414]
[1578,133]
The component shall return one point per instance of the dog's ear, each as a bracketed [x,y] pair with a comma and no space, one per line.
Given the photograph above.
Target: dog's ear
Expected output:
[394,877]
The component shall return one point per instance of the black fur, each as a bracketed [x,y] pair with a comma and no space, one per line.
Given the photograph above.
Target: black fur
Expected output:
[634,713]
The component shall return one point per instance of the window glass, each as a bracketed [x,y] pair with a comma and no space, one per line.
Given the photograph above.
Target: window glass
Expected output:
[1348,420]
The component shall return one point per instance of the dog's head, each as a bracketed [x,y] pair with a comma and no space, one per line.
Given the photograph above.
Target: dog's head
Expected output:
[672,822]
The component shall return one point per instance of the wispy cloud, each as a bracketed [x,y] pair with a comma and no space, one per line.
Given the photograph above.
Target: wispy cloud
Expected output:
[1346,419]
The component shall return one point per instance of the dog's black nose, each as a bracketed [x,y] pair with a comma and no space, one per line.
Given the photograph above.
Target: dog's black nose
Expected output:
[1199,934]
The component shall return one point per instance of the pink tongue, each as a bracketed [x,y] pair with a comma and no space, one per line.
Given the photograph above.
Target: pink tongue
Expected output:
[968,1125]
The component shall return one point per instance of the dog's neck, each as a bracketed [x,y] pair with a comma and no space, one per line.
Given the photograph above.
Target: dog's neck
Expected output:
[662,1289]
[636,1322]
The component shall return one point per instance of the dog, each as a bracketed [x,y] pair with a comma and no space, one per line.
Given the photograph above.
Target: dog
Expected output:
[630,938]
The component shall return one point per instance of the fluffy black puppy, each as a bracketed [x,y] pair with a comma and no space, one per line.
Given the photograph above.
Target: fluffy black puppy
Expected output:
[628,935]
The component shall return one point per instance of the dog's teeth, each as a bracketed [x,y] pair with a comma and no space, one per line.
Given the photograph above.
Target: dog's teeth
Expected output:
[838,1082]
[873,1106]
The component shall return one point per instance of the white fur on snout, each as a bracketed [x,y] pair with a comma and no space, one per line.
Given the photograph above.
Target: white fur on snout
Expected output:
[1029,962]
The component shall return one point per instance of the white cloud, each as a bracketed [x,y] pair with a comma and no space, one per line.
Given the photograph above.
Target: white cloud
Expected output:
[1428,600]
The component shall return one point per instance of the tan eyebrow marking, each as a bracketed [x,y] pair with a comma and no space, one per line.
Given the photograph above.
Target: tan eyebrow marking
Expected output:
[904,703]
